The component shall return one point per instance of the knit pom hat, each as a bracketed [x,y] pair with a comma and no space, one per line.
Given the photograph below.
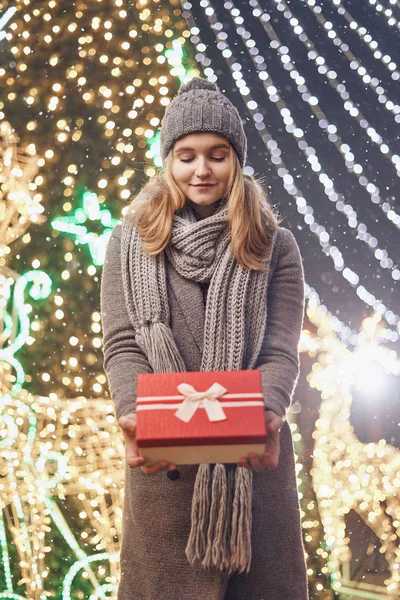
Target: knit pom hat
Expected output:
[200,106]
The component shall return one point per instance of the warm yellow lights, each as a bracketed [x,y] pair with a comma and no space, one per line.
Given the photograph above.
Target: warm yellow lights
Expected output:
[96,342]
[109,59]
[105,91]
[347,474]
[53,103]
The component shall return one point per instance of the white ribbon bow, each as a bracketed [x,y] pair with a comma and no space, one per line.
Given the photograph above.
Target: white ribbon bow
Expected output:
[194,399]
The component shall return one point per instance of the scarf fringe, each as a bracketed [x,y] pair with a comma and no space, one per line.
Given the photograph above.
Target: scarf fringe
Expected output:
[217,512]
[157,342]
[240,543]
[221,506]
[196,545]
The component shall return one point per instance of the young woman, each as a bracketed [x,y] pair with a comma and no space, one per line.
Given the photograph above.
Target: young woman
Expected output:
[199,276]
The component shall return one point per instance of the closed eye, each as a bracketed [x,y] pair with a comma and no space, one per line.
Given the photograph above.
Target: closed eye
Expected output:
[186,160]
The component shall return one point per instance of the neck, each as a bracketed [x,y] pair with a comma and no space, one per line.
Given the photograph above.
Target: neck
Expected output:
[205,211]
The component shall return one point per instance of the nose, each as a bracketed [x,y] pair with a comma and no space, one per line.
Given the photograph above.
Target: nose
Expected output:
[202,168]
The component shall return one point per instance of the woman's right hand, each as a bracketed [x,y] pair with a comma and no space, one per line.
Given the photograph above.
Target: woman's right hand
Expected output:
[128,426]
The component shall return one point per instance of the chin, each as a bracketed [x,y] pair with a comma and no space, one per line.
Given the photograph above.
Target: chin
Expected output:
[203,202]
[202,197]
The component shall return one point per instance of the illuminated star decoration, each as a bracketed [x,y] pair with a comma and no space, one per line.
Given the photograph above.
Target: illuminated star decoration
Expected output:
[75,226]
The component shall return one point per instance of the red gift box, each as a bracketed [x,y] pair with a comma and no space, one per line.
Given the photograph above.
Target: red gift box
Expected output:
[195,417]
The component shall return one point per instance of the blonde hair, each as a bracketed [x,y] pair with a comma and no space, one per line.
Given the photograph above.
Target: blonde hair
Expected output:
[251,218]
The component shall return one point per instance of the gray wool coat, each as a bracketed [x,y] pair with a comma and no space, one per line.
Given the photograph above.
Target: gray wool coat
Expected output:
[157,510]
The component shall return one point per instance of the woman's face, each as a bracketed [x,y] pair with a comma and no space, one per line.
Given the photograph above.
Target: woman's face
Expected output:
[202,158]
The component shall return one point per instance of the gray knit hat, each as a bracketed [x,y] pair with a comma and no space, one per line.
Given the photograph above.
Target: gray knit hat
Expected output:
[200,106]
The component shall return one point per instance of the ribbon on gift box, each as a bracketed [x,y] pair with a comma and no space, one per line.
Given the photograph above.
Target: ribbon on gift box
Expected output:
[207,399]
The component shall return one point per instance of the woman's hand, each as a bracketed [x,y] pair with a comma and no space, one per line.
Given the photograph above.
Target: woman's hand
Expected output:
[270,458]
[128,426]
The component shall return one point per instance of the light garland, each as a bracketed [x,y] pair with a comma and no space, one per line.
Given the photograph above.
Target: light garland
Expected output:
[331,130]
[312,528]
[4,20]
[276,156]
[387,12]
[355,64]
[385,59]
[348,104]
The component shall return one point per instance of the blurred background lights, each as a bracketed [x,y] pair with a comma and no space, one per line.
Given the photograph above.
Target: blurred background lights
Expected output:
[315,86]
[369,377]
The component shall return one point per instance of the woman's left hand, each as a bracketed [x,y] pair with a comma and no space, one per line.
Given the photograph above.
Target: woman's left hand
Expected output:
[270,458]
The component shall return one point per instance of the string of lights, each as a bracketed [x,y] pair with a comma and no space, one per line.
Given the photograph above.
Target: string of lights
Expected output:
[387,12]
[349,338]
[348,104]
[380,9]
[355,64]
[346,209]
[276,155]
[365,35]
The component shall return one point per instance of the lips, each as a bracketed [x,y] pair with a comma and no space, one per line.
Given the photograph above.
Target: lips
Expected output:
[204,185]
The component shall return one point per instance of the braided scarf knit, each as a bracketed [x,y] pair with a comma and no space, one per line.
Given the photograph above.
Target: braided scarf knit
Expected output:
[235,320]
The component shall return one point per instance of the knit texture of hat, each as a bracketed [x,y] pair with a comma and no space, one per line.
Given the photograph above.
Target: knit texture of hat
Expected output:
[201,106]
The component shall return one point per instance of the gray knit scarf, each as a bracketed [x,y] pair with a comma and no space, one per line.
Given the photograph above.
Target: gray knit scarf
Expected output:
[235,320]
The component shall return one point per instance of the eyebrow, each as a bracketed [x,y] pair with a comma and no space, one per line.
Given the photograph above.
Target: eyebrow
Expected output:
[212,148]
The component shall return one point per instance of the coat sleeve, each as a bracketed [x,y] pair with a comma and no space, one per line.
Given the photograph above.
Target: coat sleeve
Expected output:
[123,359]
[279,361]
